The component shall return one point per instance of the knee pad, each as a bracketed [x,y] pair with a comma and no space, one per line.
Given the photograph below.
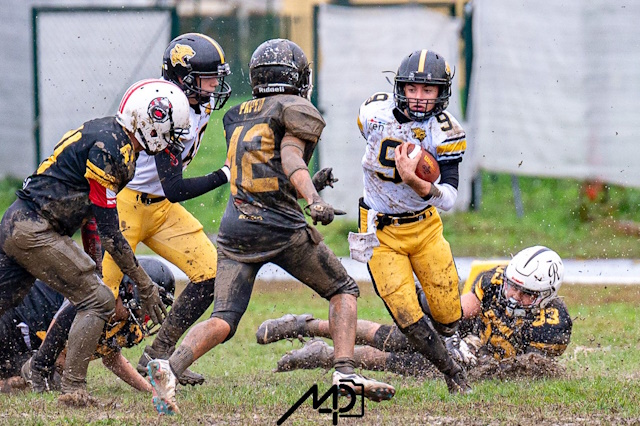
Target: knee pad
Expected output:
[426,340]
[446,330]
[194,300]
[348,288]
[389,338]
[232,319]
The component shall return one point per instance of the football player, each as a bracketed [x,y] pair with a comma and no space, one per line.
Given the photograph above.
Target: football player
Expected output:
[23,327]
[511,310]
[80,180]
[270,141]
[149,207]
[399,210]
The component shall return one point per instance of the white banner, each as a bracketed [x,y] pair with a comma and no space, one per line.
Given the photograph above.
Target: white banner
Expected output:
[556,89]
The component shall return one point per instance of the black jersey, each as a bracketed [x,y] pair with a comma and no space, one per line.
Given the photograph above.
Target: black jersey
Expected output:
[100,152]
[546,330]
[263,209]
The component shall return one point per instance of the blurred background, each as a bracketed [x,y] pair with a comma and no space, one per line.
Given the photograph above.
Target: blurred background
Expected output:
[548,92]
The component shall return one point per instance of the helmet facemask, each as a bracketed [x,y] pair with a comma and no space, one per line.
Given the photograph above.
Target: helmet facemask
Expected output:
[535,271]
[162,132]
[192,87]
[516,308]
[404,103]
[423,67]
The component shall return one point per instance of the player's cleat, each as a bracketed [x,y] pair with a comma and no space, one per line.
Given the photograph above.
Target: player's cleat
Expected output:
[36,380]
[286,327]
[457,383]
[188,377]
[315,353]
[164,386]
[372,389]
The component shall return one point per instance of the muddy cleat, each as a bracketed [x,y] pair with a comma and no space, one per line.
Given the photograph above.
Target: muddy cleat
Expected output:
[286,327]
[188,377]
[315,353]
[372,389]
[36,380]
[164,386]
[457,383]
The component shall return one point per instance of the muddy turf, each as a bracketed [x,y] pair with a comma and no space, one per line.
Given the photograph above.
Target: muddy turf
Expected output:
[596,382]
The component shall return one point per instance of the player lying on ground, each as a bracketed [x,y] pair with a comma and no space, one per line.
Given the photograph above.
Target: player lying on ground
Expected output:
[23,328]
[511,310]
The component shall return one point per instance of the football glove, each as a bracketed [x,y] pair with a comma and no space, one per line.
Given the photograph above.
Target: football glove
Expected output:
[321,211]
[460,351]
[323,178]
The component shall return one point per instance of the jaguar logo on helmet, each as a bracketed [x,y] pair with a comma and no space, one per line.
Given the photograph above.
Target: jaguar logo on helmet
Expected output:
[180,54]
[160,109]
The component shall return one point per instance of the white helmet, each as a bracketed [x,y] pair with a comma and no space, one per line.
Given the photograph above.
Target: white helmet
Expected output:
[536,271]
[157,112]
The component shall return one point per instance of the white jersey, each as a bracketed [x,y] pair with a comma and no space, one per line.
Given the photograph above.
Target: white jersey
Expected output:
[384,190]
[146,177]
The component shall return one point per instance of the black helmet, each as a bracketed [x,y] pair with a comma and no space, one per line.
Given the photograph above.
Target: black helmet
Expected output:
[279,66]
[194,55]
[159,273]
[423,67]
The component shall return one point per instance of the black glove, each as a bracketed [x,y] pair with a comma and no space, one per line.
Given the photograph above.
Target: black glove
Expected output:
[323,178]
[152,304]
[321,211]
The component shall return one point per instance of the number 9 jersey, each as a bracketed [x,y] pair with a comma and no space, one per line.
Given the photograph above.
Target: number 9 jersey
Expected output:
[384,128]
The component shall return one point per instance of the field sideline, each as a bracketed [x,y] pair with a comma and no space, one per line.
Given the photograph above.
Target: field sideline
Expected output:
[602,384]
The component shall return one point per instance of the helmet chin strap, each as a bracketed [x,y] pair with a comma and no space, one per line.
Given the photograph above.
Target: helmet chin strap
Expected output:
[145,144]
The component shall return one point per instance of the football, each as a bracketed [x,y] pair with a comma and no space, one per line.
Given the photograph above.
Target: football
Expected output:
[427,168]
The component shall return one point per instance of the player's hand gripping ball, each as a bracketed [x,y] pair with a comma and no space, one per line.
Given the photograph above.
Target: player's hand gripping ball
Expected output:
[427,168]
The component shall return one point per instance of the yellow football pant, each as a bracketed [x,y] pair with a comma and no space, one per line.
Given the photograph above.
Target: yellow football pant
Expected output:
[419,248]
[169,230]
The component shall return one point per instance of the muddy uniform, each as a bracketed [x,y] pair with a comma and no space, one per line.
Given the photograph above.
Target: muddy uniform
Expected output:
[88,167]
[408,226]
[117,335]
[263,221]
[32,316]
[79,180]
[546,330]
[150,210]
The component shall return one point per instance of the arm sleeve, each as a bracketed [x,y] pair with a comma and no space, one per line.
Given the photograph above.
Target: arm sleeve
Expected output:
[448,186]
[176,188]
[113,240]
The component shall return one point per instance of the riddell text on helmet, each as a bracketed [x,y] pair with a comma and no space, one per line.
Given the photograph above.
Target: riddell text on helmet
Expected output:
[271,89]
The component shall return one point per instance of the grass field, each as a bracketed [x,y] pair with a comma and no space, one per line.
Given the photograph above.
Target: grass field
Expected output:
[602,384]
